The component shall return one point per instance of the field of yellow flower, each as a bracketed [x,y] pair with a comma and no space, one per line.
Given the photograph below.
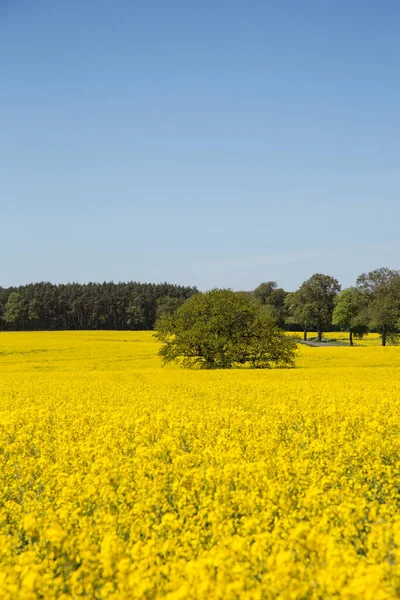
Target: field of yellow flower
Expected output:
[122,479]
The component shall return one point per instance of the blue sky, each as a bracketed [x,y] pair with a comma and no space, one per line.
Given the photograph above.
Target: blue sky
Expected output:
[206,143]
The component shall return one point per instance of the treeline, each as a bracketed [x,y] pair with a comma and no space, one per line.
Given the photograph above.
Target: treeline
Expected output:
[372,304]
[45,306]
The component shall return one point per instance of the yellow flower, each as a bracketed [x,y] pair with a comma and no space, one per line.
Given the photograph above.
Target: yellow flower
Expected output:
[121,479]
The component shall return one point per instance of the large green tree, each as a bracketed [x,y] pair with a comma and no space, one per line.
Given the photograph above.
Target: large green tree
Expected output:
[313,303]
[221,329]
[381,289]
[350,313]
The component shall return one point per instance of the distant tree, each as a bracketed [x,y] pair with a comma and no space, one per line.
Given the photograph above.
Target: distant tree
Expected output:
[264,291]
[376,281]
[350,313]
[33,311]
[168,305]
[15,310]
[313,302]
[141,310]
[381,289]
[149,299]
[268,294]
[221,329]
[300,311]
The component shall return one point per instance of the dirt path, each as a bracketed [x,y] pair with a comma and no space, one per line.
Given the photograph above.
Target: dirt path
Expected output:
[320,344]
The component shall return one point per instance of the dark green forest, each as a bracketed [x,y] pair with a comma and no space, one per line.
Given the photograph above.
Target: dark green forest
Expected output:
[45,306]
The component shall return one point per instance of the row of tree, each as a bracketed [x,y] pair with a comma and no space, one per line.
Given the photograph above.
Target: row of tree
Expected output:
[44,306]
[319,304]
[372,304]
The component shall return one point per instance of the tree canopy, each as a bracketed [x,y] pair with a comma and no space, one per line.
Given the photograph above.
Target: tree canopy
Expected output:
[381,289]
[221,329]
[313,303]
[271,296]
[350,312]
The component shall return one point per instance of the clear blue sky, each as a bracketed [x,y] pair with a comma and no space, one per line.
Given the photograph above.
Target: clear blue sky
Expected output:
[214,143]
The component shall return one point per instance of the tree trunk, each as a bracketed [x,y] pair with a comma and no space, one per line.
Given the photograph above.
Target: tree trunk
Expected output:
[384,336]
[351,338]
[305,334]
[319,334]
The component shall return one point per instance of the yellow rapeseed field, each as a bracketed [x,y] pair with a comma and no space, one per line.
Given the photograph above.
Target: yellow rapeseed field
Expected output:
[122,479]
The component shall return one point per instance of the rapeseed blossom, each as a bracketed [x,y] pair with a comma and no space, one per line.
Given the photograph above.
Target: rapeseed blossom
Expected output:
[121,479]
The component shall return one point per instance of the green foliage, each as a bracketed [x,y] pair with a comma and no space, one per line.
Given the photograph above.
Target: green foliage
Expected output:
[350,312]
[221,329]
[149,301]
[33,310]
[168,305]
[14,311]
[381,289]
[299,309]
[45,306]
[313,303]
[377,281]
[269,295]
